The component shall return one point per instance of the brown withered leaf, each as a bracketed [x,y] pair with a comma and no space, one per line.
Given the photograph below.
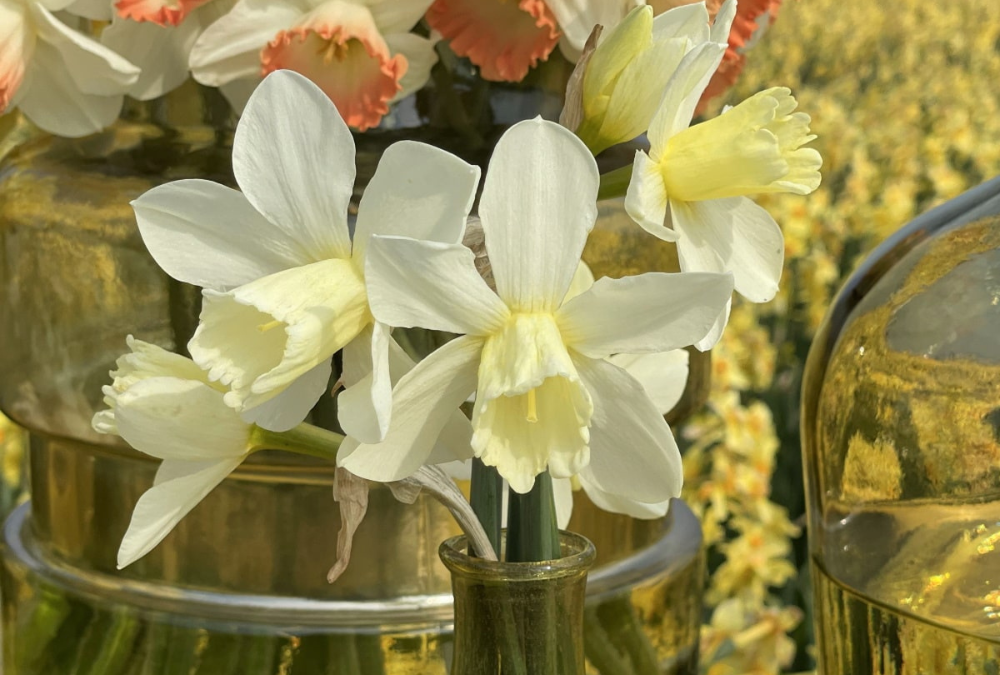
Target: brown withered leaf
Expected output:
[572,112]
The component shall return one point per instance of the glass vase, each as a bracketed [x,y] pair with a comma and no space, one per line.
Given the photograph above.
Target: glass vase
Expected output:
[901,442]
[519,618]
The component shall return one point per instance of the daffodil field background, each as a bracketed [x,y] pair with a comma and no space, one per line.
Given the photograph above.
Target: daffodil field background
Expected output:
[905,100]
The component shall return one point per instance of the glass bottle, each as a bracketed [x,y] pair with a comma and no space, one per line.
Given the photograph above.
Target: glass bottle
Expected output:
[901,442]
[519,618]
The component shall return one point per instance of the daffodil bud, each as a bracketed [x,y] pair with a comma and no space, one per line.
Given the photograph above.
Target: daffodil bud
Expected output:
[628,72]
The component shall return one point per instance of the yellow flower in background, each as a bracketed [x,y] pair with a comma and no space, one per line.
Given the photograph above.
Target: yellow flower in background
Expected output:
[751,640]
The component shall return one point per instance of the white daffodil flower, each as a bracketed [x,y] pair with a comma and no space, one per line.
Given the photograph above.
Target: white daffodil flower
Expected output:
[691,188]
[284,285]
[545,397]
[361,53]
[628,72]
[163,405]
[157,36]
[63,81]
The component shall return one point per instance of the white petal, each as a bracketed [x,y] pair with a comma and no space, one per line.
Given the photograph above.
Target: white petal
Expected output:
[623,504]
[209,235]
[690,21]
[145,360]
[454,444]
[51,99]
[290,407]
[577,18]
[735,235]
[94,68]
[362,404]
[652,312]
[683,92]
[582,280]
[141,362]
[171,418]
[646,198]
[430,285]
[663,375]
[423,402]
[397,16]
[418,191]
[160,52]
[723,22]
[259,338]
[364,407]
[293,157]
[539,204]
[715,332]
[420,57]
[178,488]
[230,48]
[562,491]
[632,451]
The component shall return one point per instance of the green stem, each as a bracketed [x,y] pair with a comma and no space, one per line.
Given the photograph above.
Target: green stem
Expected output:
[107,644]
[532,533]
[487,500]
[615,183]
[38,628]
[304,439]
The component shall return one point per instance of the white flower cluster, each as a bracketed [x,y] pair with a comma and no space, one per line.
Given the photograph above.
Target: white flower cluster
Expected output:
[567,375]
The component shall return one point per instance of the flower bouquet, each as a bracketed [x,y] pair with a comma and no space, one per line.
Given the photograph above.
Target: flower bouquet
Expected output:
[542,381]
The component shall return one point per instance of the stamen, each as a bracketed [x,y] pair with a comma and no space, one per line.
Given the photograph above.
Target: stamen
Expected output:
[264,327]
[532,407]
[333,48]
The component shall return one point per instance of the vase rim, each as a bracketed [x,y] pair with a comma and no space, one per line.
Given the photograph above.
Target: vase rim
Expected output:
[579,554]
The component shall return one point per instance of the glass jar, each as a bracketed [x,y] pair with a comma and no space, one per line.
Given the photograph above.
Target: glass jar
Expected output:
[241,580]
[901,441]
[519,618]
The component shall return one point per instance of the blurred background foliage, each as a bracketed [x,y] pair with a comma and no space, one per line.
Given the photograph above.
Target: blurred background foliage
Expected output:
[905,100]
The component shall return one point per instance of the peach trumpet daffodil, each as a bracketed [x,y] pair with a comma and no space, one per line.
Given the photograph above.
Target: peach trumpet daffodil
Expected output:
[545,398]
[692,187]
[504,38]
[284,284]
[63,81]
[628,72]
[359,52]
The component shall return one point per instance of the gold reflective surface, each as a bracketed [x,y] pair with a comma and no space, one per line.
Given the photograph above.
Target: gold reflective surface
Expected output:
[903,454]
